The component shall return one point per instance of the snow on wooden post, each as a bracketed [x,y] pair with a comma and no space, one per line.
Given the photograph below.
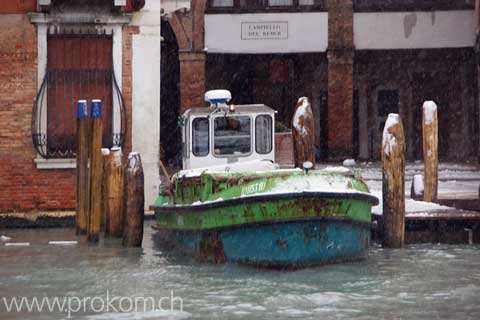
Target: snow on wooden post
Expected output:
[114,185]
[134,201]
[81,220]
[303,127]
[416,191]
[430,150]
[393,160]
[96,173]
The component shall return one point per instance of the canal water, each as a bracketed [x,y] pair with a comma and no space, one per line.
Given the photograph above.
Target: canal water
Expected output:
[109,282]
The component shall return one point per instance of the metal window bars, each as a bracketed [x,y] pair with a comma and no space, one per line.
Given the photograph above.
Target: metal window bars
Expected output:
[79,66]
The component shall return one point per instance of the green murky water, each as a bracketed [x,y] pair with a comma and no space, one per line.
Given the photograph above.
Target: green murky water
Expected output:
[419,282]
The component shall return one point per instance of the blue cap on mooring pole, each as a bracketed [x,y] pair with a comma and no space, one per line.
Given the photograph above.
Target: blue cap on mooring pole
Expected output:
[82,111]
[96,108]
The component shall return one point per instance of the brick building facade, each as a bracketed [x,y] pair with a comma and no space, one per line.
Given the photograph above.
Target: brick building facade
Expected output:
[36,161]
[357,60]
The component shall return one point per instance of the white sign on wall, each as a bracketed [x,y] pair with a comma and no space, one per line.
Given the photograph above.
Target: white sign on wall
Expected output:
[264,30]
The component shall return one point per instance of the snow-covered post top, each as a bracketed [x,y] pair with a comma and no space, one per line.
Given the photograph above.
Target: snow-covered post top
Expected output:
[430,150]
[389,140]
[429,111]
[393,161]
[303,129]
[302,112]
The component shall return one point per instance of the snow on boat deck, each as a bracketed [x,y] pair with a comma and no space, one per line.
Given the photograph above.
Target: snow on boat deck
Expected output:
[456,181]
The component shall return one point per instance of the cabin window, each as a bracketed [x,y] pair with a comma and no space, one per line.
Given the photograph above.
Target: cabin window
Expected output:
[276,3]
[263,134]
[222,3]
[232,136]
[200,141]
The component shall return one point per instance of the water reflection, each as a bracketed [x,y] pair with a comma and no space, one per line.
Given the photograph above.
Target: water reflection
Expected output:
[427,281]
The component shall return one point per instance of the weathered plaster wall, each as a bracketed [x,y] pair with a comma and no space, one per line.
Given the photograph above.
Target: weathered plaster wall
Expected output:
[416,29]
[146,94]
[172,5]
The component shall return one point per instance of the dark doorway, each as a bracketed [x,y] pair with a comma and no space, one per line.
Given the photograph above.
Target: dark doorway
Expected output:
[428,87]
[356,127]
[322,155]
[170,141]
[266,79]
[275,87]
[387,102]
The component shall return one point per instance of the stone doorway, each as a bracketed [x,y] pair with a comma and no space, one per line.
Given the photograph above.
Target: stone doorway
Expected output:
[170,140]
[430,87]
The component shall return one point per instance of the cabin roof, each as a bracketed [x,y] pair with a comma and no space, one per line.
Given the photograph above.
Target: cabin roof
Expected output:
[239,109]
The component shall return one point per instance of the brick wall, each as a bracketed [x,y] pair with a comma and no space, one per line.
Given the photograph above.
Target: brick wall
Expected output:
[340,104]
[189,31]
[340,78]
[22,186]
[17,6]
[24,6]
[192,80]
[128,32]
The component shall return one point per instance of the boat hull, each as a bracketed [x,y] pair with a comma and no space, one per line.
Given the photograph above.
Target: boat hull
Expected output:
[282,231]
[281,244]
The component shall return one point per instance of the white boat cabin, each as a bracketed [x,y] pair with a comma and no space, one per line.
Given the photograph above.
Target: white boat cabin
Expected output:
[226,134]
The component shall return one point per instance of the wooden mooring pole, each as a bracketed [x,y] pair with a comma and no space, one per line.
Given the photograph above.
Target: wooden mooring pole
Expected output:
[393,188]
[81,219]
[113,201]
[430,151]
[105,159]
[134,201]
[303,129]
[96,171]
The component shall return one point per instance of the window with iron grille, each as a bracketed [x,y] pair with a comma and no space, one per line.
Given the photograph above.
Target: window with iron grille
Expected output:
[79,66]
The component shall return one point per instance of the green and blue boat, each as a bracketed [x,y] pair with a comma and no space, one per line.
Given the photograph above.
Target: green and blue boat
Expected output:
[245,209]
